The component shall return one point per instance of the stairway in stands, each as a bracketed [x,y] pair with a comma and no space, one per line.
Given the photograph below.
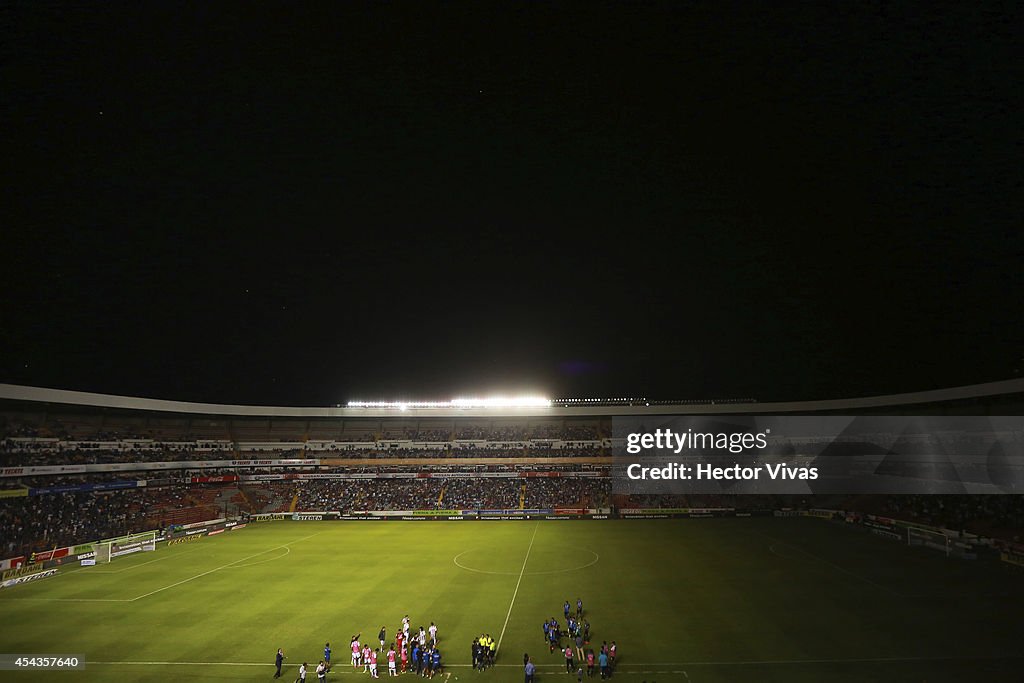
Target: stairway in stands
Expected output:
[220,499]
[279,499]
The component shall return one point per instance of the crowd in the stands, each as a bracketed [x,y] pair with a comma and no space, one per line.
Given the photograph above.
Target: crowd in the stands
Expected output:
[539,432]
[978,514]
[79,456]
[57,520]
[294,431]
[89,456]
[54,520]
[469,493]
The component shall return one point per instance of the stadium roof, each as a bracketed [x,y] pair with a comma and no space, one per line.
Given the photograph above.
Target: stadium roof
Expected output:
[41,395]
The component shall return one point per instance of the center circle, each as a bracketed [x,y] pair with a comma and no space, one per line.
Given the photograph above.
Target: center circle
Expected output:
[476,560]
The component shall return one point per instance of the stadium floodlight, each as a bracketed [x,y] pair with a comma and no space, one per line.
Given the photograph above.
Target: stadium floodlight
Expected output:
[491,402]
[501,402]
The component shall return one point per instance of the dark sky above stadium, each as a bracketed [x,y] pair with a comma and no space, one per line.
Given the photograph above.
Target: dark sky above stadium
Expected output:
[307,203]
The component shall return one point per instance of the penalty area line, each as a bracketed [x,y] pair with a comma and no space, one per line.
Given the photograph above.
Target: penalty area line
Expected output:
[822,560]
[223,566]
[134,566]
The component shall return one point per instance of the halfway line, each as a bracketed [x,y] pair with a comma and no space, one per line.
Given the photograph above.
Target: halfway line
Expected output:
[514,594]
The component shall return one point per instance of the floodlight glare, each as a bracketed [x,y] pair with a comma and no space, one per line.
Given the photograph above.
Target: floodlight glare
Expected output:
[500,402]
[491,402]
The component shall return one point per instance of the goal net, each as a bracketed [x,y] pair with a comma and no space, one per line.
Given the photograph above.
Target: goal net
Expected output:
[102,552]
[929,539]
[110,548]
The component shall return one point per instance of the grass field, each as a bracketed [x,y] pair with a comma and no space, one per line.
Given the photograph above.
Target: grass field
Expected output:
[758,599]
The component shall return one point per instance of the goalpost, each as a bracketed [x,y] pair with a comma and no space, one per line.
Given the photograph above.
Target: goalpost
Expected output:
[110,548]
[102,552]
[930,539]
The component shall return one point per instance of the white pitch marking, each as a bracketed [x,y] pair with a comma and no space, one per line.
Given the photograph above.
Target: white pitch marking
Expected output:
[72,599]
[596,559]
[516,592]
[223,566]
[135,566]
[74,571]
[253,564]
[830,564]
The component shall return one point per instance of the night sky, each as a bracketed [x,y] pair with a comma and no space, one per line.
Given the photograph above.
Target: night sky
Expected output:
[303,203]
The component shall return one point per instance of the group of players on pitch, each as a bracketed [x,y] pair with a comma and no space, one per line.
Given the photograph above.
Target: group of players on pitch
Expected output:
[413,652]
[578,652]
[417,652]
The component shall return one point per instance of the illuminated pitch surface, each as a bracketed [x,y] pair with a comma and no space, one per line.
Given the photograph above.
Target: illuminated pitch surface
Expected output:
[697,600]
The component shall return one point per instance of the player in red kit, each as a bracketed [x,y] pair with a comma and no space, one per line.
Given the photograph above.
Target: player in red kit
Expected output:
[373,664]
[391,661]
[357,652]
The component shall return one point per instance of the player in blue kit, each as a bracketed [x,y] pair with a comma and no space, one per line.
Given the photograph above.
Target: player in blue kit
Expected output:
[428,663]
[327,655]
[435,662]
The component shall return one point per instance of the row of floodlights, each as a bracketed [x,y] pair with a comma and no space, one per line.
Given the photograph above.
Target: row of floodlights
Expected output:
[530,402]
[598,400]
[494,402]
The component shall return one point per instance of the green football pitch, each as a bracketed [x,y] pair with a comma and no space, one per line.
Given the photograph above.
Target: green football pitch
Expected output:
[753,599]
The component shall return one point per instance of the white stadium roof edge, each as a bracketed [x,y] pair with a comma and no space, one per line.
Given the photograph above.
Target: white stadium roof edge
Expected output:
[15,392]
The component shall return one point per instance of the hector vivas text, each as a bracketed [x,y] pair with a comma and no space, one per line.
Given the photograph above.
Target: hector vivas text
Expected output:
[690,443]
